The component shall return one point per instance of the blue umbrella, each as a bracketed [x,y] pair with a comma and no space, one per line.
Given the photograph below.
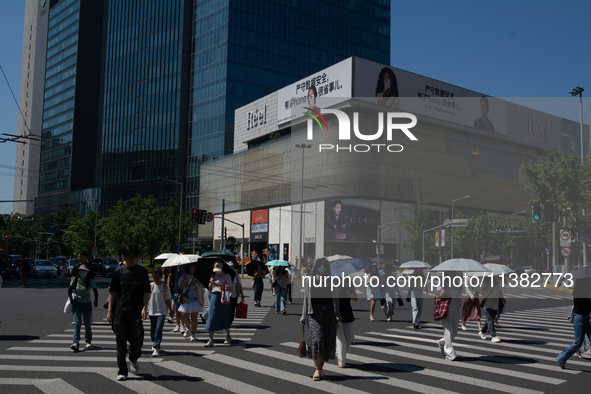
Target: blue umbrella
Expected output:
[278,263]
[348,266]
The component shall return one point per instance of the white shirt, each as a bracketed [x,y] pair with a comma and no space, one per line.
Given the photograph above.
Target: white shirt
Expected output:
[157,304]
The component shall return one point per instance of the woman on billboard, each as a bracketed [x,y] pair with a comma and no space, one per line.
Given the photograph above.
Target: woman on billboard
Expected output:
[387,89]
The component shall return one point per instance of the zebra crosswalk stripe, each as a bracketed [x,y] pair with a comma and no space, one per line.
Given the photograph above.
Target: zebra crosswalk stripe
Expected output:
[411,343]
[457,343]
[138,385]
[49,386]
[447,376]
[231,385]
[543,368]
[395,382]
[289,376]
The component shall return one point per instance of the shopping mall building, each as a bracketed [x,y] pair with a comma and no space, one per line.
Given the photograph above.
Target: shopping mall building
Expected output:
[376,140]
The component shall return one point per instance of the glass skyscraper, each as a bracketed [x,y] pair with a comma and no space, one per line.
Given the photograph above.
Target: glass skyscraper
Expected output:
[167,76]
[71,98]
[148,60]
[247,49]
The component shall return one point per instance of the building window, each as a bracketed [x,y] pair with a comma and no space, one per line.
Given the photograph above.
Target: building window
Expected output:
[21,182]
[21,192]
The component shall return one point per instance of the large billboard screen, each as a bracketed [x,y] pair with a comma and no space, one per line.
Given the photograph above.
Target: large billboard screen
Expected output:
[405,91]
[334,82]
[259,221]
[351,220]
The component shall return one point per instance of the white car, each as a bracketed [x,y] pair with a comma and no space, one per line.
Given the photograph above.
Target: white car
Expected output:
[43,268]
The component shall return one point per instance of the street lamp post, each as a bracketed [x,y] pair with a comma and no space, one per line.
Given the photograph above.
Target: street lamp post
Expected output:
[180,204]
[452,218]
[579,91]
[304,147]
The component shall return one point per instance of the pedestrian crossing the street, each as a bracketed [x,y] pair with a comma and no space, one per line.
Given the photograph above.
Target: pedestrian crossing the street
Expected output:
[387,356]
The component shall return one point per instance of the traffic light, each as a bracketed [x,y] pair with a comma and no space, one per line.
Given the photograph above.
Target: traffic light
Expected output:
[201,216]
[550,212]
[194,215]
[536,212]
[5,236]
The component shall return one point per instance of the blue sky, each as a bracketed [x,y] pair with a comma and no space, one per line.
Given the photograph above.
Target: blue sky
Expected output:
[518,48]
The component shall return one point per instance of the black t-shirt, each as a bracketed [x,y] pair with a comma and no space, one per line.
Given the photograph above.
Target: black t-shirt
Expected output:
[130,284]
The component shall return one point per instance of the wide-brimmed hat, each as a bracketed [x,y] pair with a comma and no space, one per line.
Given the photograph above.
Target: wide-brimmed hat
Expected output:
[83,267]
[217,267]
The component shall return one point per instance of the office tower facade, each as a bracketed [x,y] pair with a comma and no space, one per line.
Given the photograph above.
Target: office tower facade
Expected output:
[72,101]
[173,72]
[245,50]
[26,175]
[148,60]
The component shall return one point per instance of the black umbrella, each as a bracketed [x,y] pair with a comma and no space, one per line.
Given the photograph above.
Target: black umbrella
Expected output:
[204,269]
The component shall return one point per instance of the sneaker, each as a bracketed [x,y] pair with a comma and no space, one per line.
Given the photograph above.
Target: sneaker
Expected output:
[193,338]
[441,350]
[73,323]
[155,353]
[177,329]
[203,320]
[389,319]
[383,307]
[88,345]
[169,320]
[495,340]
[450,358]
[481,335]
[74,348]
[284,312]
[209,343]
[121,377]
[187,334]
[228,340]
[134,367]
[464,327]
[183,329]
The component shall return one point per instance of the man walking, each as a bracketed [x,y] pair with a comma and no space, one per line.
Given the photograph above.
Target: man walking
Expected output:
[129,295]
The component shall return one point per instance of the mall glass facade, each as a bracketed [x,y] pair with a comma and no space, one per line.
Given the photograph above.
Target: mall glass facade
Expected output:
[71,97]
[148,56]
[245,50]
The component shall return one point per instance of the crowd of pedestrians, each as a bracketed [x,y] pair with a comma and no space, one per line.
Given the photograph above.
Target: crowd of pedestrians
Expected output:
[327,313]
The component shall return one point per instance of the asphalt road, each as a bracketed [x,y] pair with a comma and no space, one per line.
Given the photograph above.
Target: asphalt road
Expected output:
[35,336]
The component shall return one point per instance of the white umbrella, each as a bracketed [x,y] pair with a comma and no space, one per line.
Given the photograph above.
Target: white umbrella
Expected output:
[460,265]
[165,256]
[180,260]
[415,264]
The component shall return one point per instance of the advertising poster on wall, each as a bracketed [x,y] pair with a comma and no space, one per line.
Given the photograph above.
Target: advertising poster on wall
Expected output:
[259,221]
[333,85]
[401,90]
[351,220]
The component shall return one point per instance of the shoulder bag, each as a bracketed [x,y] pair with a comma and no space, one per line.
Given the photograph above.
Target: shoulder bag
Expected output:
[302,350]
[440,310]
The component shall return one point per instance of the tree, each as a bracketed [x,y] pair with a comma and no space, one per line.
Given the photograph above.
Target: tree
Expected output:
[562,179]
[421,220]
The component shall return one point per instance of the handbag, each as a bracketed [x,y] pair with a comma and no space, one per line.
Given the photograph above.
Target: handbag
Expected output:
[339,235]
[106,304]
[440,310]
[302,350]
[400,301]
[182,297]
[68,306]
[226,294]
[241,309]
